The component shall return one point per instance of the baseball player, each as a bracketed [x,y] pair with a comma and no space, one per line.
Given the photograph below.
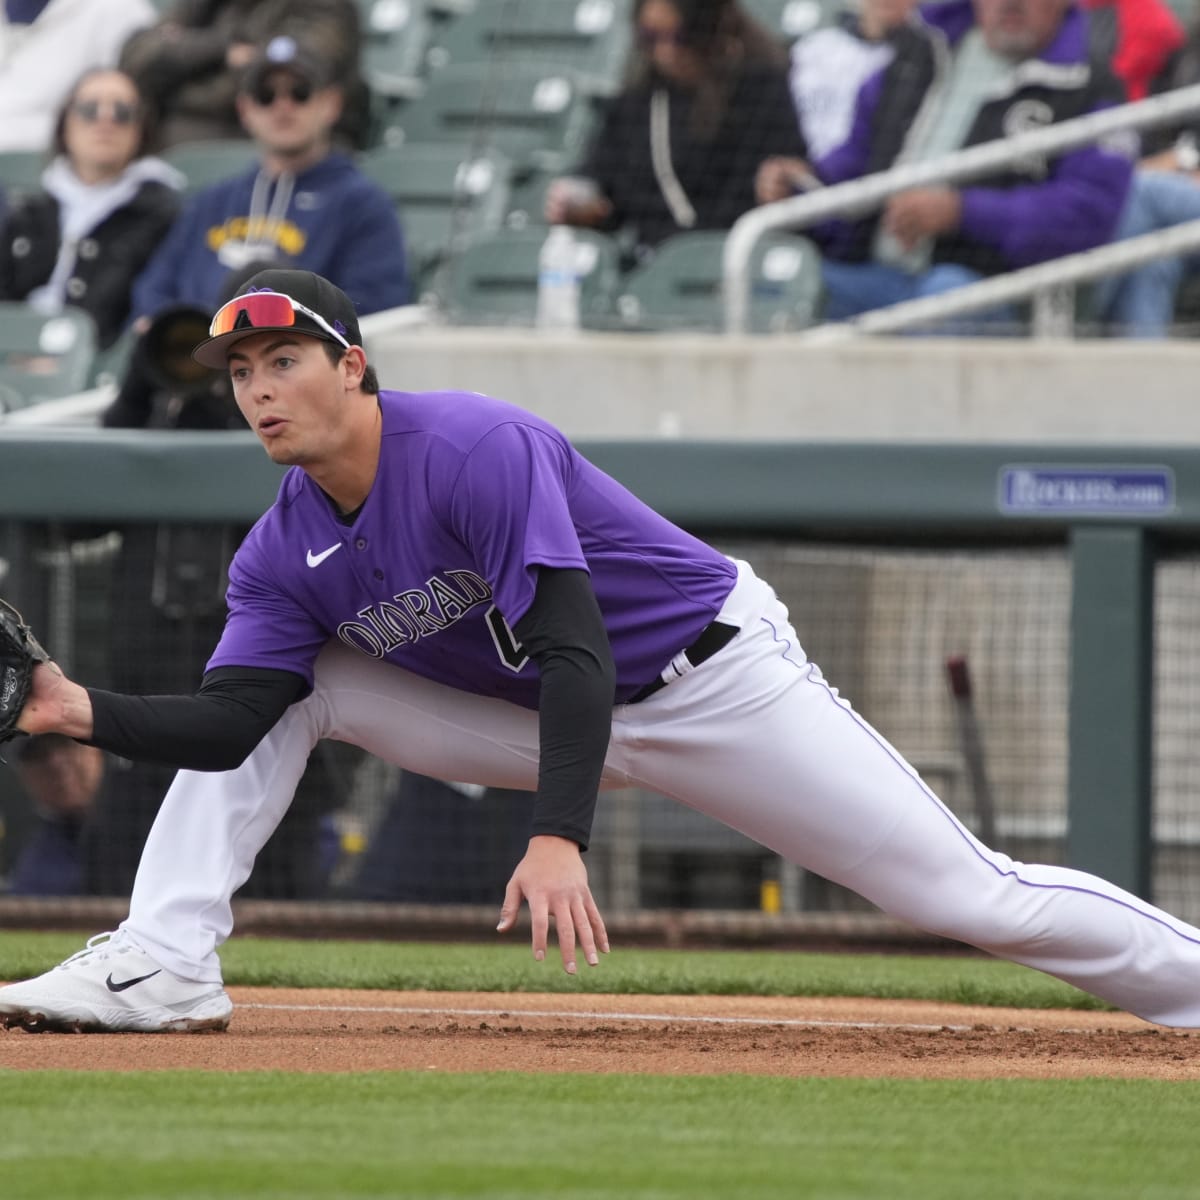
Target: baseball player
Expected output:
[445,582]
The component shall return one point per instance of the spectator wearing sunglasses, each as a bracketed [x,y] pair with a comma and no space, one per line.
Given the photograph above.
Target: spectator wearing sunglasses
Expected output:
[303,203]
[104,204]
[706,101]
[45,45]
[191,61]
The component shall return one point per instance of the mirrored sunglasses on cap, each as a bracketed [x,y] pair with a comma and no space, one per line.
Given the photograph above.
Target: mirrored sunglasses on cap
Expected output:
[267,310]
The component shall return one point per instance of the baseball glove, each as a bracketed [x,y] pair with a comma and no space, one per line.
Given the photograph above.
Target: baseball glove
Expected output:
[20,652]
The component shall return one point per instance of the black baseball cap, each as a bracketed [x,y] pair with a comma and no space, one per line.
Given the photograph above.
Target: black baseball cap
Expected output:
[285,53]
[284,300]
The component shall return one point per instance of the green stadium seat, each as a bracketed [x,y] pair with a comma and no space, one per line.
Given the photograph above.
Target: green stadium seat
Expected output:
[21,169]
[790,19]
[210,161]
[396,35]
[10,401]
[493,280]
[679,288]
[445,195]
[536,116]
[591,38]
[45,357]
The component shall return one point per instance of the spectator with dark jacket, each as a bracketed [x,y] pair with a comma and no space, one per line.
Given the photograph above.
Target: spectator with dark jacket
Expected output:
[191,61]
[303,204]
[706,101]
[988,70]
[61,854]
[832,62]
[104,204]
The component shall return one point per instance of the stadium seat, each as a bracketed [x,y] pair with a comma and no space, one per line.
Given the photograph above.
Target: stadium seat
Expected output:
[10,401]
[445,196]
[589,37]
[527,199]
[493,280]
[21,168]
[210,161]
[396,35]
[680,286]
[44,357]
[790,19]
[536,116]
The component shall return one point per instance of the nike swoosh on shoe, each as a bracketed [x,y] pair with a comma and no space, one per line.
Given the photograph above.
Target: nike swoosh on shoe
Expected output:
[128,983]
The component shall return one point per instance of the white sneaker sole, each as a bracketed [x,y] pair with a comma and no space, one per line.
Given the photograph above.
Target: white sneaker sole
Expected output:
[209,1015]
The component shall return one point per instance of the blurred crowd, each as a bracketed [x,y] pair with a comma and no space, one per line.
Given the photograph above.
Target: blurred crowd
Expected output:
[717,111]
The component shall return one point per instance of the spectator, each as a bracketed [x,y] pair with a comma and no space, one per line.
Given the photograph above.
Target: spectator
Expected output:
[45,45]
[831,63]
[932,239]
[192,60]
[1165,192]
[706,101]
[303,204]
[1136,38]
[62,777]
[104,205]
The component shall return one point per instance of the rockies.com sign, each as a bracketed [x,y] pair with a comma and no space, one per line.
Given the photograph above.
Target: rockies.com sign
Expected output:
[1147,491]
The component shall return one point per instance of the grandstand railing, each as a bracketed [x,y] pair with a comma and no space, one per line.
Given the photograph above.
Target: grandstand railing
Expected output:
[861,196]
[1050,285]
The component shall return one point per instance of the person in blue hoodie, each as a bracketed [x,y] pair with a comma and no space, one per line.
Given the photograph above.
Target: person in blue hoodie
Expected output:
[303,204]
[987,69]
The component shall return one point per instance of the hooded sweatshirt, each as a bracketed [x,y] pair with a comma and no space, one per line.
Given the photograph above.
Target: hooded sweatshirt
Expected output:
[329,219]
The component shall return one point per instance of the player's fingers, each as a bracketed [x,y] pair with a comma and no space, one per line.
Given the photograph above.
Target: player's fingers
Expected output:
[510,907]
[596,922]
[583,931]
[564,920]
[539,919]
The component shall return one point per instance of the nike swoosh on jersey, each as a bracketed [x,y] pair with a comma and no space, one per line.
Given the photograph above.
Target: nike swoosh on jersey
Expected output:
[315,560]
[128,983]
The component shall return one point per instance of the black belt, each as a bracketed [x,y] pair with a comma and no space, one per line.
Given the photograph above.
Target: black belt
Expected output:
[711,639]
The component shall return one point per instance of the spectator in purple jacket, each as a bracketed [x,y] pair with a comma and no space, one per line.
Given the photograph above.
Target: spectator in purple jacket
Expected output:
[62,778]
[988,69]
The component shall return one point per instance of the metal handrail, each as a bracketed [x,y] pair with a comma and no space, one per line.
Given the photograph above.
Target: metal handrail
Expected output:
[1062,272]
[863,195]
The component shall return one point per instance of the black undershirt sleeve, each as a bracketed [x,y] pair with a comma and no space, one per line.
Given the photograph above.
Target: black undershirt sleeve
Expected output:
[563,632]
[213,730]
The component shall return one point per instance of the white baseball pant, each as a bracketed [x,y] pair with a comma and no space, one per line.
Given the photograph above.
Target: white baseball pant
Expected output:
[753,737]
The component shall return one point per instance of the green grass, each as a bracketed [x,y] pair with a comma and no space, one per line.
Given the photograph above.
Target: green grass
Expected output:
[508,967]
[194,1135]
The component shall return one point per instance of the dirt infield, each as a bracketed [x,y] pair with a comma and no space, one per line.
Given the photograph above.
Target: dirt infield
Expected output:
[327,1030]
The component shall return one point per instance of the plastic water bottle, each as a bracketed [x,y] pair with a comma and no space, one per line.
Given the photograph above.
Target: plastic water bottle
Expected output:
[558,281]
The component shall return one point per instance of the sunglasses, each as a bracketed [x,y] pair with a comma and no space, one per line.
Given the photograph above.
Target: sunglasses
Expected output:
[120,112]
[266,94]
[267,310]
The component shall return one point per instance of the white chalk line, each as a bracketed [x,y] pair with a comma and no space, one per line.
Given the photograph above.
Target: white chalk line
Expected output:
[664,1018]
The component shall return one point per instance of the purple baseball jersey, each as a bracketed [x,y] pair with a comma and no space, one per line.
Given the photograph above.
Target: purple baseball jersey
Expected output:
[471,496]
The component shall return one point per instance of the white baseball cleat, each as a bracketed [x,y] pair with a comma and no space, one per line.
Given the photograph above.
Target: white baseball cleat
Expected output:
[113,986]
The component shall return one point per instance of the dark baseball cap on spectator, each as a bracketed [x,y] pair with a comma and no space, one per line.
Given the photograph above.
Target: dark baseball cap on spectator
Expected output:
[335,319]
[284,53]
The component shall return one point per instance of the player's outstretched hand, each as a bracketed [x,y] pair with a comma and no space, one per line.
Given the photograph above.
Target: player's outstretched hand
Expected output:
[55,704]
[553,879]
